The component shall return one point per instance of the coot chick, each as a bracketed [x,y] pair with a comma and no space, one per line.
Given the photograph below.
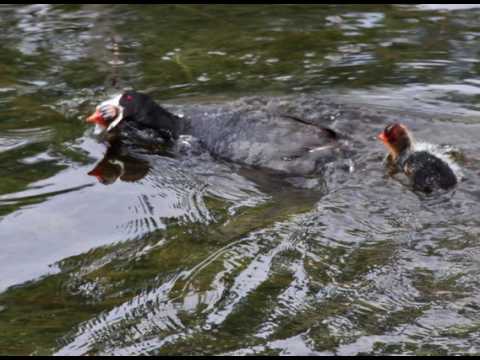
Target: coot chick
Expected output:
[426,171]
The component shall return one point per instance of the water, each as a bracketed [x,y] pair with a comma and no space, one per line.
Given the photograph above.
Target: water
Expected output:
[194,255]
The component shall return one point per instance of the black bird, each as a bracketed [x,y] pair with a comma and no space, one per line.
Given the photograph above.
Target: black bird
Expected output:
[250,131]
[426,171]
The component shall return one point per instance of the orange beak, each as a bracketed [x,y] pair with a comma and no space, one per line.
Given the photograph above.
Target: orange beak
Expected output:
[97,118]
[382,137]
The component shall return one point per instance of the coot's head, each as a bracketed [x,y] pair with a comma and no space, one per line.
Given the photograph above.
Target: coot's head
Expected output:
[111,112]
[396,138]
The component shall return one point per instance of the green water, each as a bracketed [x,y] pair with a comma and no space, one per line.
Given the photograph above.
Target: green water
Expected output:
[194,255]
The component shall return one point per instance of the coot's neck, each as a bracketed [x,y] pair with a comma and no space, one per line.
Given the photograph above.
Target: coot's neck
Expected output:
[403,156]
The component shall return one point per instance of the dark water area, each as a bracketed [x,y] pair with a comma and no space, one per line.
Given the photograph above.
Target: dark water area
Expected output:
[186,253]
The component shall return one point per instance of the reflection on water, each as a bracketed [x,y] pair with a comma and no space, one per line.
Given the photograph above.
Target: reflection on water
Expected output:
[184,253]
[118,163]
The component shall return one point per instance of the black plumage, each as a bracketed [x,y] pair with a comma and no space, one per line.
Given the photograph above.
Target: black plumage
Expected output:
[141,112]
[427,172]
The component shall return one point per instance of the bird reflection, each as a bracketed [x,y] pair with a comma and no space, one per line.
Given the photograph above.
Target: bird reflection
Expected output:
[120,163]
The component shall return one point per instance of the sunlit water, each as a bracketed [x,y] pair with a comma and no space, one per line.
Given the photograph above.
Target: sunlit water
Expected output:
[178,252]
